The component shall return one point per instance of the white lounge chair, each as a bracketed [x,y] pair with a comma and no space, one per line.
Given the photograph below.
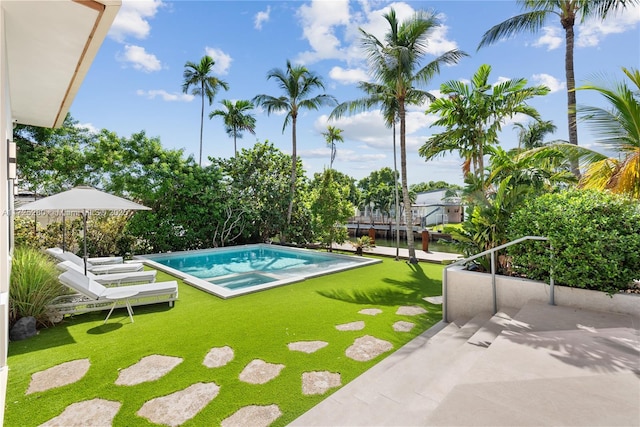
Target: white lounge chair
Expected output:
[92,296]
[99,269]
[116,279]
[102,260]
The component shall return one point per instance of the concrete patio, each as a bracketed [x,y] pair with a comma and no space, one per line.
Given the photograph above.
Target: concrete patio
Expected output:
[541,365]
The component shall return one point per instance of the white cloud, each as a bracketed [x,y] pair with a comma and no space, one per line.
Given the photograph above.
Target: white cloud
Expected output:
[591,32]
[551,82]
[166,96]
[319,21]
[133,19]
[551,38]
[89,126]
[139,59]
[261,17]
[348,76]
[223,60]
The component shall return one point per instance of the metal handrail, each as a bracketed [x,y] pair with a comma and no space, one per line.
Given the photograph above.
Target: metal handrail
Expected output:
[493,251]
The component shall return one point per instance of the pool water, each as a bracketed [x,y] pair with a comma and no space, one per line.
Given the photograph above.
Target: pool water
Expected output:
[237,270]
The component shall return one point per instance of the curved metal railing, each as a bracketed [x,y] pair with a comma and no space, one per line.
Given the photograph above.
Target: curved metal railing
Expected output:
[492,251]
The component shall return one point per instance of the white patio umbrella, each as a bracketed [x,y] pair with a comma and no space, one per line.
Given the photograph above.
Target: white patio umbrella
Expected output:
[83,199]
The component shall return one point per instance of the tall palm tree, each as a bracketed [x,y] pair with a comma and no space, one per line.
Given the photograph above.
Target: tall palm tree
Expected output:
[332,135]
[533,133]
[473,114]
[204,85]
[235,119]
[394,64]
[535,15]
[619,130]
[297,84]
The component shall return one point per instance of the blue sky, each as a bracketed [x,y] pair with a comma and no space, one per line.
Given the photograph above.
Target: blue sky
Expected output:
[136,79]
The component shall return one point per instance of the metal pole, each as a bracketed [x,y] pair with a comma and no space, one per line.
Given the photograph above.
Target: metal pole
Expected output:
[552,297]
[84,223]
[493,281]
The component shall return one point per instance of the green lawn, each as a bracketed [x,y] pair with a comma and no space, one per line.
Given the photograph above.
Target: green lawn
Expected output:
[255,326]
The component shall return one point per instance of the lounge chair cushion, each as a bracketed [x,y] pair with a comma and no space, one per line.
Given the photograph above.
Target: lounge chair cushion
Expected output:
[112,278]
[94,290]
[99,269]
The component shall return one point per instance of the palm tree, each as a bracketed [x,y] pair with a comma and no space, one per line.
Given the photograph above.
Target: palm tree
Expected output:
[297,83]
[619,129]
[332,135]
[473,114]
[235,119]
[534,18]
[204,85]
[394,65]
[533,133]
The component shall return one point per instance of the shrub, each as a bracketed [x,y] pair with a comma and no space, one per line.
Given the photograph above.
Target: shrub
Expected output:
[33,285]
[595,238]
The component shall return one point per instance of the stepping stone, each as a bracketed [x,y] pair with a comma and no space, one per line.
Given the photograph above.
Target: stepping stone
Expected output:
[353,326]
[177,408]
[434,300]
[57,376]
[218,357]
[307,346]
[254,416]
[403,326]
[149,368]
[259,372]
[367,348]
[370,311]
[96,412]
[410,310]
[319,382]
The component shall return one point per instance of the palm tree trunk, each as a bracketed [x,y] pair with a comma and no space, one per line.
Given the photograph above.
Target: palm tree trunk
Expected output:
[294,164]
[571,92]
[405,188]
[201,124]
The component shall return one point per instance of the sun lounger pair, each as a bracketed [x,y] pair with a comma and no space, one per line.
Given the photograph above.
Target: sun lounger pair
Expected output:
[92,296]
[112,279]
[95,269]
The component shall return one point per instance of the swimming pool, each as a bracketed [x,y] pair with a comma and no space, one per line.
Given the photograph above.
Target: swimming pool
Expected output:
[238,270]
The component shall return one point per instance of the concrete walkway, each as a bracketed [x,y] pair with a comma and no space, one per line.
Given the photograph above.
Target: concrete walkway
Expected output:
[539,366]
[436,257]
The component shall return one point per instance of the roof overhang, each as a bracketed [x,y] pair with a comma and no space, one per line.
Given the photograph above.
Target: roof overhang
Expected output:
[50,46]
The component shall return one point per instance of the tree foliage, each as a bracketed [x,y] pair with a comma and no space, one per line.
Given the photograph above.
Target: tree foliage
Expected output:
[330,208]
[593,235]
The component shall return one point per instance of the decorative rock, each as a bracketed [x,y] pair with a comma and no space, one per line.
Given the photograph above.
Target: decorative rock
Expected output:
[177,408]
[307,346]
[58,376]
[403,326]
[24,328]
[437,300]
[259,372]
[254,416]
[353,326]
[149,368]
[370,311]
[410,311]
[96,412]
[319,382]
[367,348]
[54,316]
[218,357]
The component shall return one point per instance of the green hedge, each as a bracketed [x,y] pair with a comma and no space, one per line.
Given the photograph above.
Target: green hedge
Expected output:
[595,238]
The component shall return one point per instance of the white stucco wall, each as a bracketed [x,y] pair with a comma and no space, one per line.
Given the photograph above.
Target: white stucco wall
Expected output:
[470,293]
[6,195]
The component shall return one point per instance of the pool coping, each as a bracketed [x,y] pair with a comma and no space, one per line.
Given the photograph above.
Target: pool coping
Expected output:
[225,293]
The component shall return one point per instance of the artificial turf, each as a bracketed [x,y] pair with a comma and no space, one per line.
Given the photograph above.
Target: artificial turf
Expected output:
[255,326]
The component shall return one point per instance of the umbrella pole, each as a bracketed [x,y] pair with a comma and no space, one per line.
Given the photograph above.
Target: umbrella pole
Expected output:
[84,223]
